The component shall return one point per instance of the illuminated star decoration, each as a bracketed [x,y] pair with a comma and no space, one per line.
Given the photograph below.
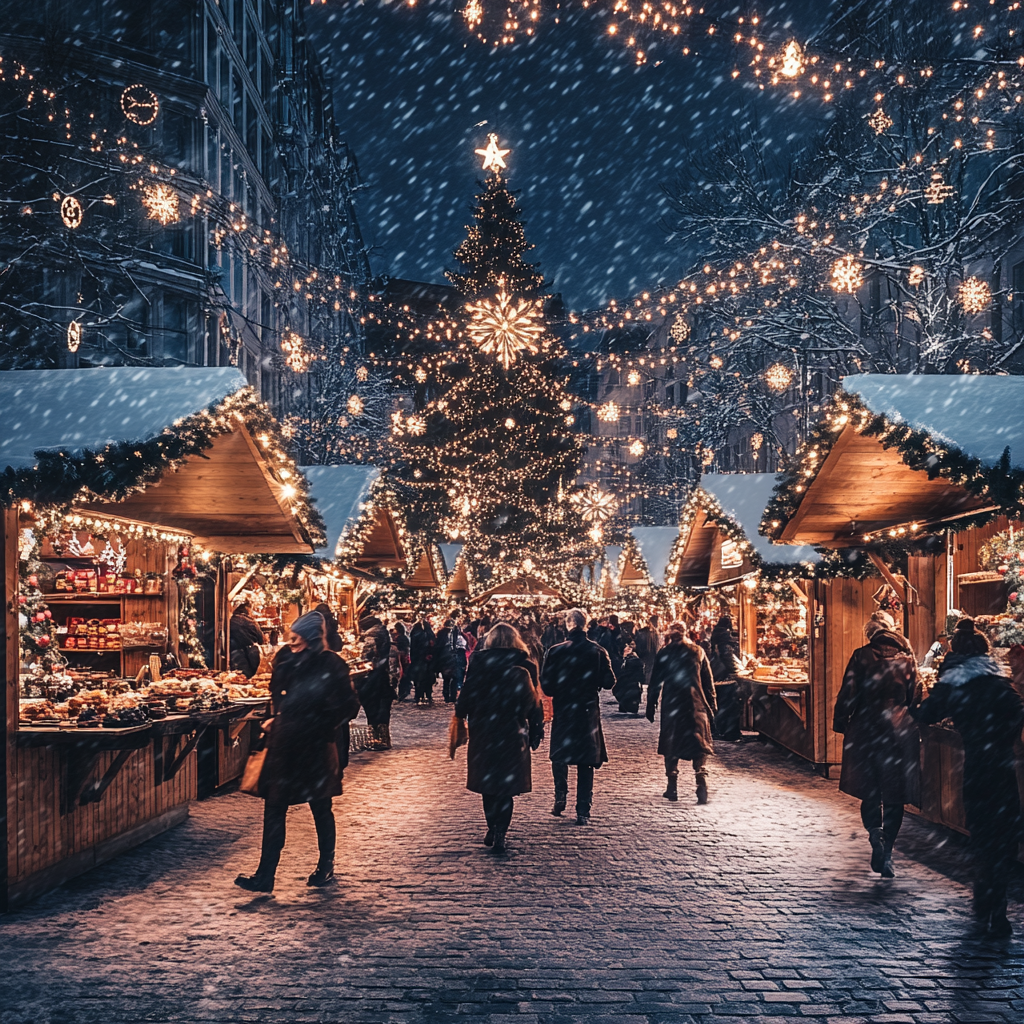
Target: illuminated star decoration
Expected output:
[595,505]
[494,158]
[505,328]
[473,12]
[974,295]
[161,203]
[880,121]
[846,275]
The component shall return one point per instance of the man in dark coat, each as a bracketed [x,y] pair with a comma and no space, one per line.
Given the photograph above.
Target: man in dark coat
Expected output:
[986,710]
[245,637]
[506,722]
[311,695]
[629,683]
[881,744]
[575,673]
[375,690]
[611,639]
[648,642]
[421,653]
[682,678]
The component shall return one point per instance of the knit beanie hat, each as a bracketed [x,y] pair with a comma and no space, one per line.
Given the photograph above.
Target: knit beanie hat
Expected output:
[312,628]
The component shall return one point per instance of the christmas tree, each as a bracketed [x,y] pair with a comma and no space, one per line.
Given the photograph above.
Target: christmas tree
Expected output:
[492,253]
[492,456]
[38,635]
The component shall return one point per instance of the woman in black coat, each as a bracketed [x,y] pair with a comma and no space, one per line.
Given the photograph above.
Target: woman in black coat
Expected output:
[310,697]
[506,722]
[629,683]
[334,641]
[986,710]
[682,678]
[421,652]
[881,743]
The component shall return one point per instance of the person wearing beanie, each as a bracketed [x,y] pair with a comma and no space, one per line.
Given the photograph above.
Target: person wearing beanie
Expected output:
[311,696]
[976,694]
[881,743]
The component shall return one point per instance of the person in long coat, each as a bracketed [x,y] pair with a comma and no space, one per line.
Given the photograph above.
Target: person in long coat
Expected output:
[987,711]
[881,742]
[375,690]
[574,674]
[648,643]
[422,642]
[682,679]
[506,721]
[334,641]
[311,696]
[629,683]
[245,636]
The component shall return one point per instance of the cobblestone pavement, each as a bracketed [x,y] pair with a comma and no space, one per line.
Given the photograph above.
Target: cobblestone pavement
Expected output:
[758,905]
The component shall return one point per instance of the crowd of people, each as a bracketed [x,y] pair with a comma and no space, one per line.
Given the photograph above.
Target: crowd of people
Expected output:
[494,669]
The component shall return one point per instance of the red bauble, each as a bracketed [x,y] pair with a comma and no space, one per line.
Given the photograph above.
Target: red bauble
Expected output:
[33,581]
[1013,597]
[22,599]
[1002,570]
[47,614]
[43,641]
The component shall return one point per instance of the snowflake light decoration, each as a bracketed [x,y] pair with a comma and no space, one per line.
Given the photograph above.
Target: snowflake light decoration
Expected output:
[608,413]
[416,425]
[974,295]
[420,375]
[633,379]
[680,329]
[355,405]
[505,328]
[140,105]
[671,433]
[637,448]
[71,213]
[296,356]
[161,203]
[778,377]
[938,191]
[847,274]
[880,121]
[74,335]
[565,405]
[595,505]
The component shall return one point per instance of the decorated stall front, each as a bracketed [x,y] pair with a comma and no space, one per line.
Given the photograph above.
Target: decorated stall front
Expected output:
[776,600]
[123,489]
[919,474]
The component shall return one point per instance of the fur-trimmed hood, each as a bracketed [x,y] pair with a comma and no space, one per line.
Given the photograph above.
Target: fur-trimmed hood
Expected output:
[957,670]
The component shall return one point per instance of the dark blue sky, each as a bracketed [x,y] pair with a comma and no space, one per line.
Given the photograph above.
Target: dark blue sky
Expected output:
[593,137]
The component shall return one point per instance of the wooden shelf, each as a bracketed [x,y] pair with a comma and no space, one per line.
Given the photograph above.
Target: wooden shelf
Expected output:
[90,650]
[77,599]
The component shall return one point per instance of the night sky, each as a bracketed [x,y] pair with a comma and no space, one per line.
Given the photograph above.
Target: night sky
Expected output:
[594,138]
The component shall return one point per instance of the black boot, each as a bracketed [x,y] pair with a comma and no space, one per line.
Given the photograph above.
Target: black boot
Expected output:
[489,837]
[261,881]
[560,799]
[323,875]
[702,790]
[499,841]
[888,871]
[672,790]
[877,841]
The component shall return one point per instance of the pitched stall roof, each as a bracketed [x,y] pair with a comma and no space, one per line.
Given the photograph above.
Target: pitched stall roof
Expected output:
[186,448]
[646,557]
[722,516]
[903,453]
[356,523]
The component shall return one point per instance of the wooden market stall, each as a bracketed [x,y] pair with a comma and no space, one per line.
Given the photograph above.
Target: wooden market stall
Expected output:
[457,586]
[778,602]
[918,473]
[117,485]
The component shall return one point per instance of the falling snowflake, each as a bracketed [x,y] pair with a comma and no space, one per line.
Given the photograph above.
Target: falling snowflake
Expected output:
[505,328]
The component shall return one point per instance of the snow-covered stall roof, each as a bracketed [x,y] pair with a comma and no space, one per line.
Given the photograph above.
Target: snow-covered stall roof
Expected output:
[340,493]
[655,543]
[744,497]
[87,410]
[981,416]
[450,553]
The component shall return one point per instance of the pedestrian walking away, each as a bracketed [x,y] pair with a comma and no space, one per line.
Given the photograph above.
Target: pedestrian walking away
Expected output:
[506,722]
[575,672]
[311,696]
[682,679]
[375,688]
[974,692]
[648,643]
[881,742]
[421,651]
[629,683]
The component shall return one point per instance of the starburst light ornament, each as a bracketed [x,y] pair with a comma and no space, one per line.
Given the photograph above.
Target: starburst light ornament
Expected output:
[680,329]
[295,353]
[416,425]
[505,327]
[637,448]
[355,405]
[161,203]
[608,413]
[880,121]
[494,158]
[420,375]
[778,377]
[847,274]
[565,405]
[974,295]
[473,12]
[595,505]
[633,379]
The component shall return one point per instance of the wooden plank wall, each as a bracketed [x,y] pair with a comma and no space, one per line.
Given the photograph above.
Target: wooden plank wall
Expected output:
[44,837]
[9,682]
[925,616]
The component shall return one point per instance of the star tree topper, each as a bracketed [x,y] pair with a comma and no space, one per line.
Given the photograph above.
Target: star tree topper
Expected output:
[494,158]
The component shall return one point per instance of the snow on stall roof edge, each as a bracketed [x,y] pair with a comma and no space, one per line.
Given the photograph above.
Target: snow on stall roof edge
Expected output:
[339,491]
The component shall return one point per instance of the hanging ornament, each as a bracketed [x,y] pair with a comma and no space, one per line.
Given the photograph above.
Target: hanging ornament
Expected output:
[355,405]
[680,329]
[140,105]
[938,191]
[71,213]
[161,203]
[756,440]
[296,355]
[505,328]
[847,274]
[608,413]
[74,335]
[633,378]
[778,377]
[974,295]
[880,121]
[637,448]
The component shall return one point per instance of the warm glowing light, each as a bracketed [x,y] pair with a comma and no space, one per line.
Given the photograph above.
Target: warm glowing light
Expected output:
[355,405]
[680,329]
[715,362]
[510,424]
[608,413]
[420,375]
[974,295]
[595,505]
[633,379]
[140,105]
[756,440]
[708,457]
[847,275]
[296,356]
[637,448]
[74,335]
[938,191]
[671,433]
[505,327]
[880,121]
[494,158]
[778,377]
[416,425]
[71,212]
[473,12]
[161,203]
[792,60]
[363,373]
[915,276]
[565,405]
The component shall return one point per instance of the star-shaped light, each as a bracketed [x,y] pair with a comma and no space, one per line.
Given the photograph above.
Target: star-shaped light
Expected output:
[505,328]
[595,505]
[494,158]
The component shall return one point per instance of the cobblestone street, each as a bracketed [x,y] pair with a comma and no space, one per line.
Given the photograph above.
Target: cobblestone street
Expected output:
[760,904]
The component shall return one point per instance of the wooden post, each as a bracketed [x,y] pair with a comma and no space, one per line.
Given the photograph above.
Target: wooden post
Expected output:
[9,644]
